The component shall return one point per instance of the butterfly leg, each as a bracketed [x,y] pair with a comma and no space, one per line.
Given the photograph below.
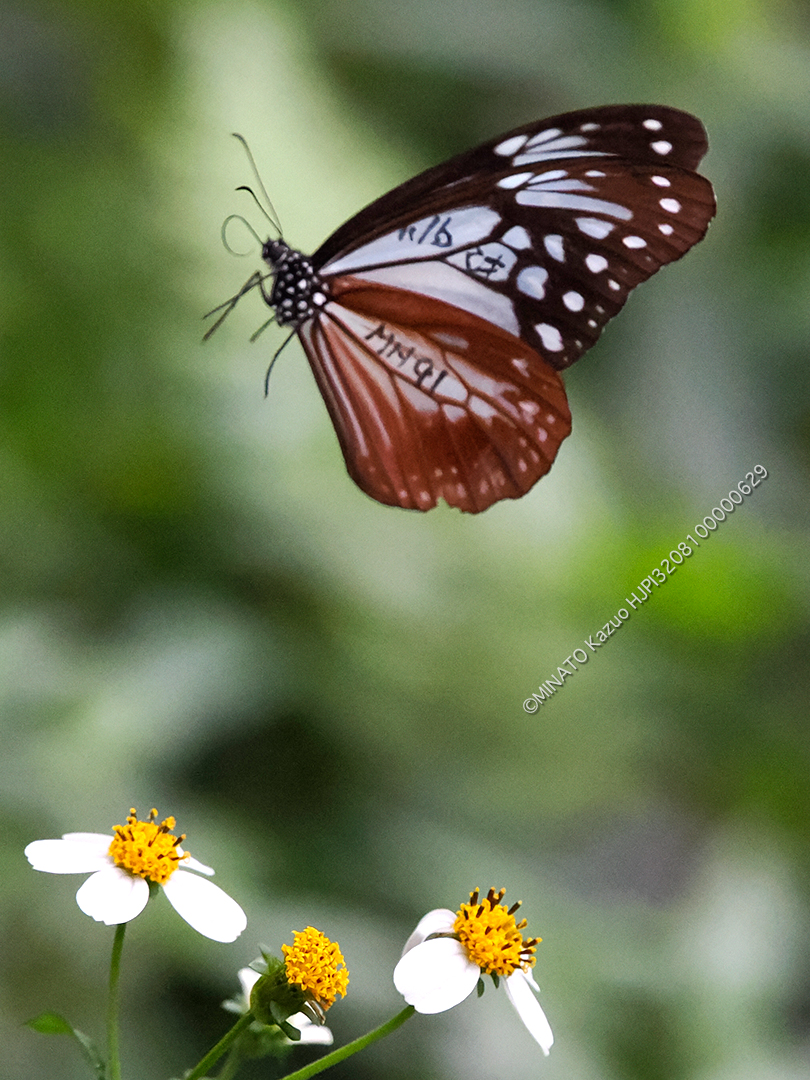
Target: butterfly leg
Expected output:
[255,279]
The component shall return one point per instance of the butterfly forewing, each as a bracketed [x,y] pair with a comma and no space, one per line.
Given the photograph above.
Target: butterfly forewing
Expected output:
[545,230]
[432,402]
[611,130]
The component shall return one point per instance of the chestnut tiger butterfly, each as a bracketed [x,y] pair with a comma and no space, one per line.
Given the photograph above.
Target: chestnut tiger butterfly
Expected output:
[437,320]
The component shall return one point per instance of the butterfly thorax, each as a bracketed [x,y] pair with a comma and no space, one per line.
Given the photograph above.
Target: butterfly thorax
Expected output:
[298,291]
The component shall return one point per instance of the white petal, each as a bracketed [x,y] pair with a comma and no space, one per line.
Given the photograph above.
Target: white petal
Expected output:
[194,864]
[75,853]
[436,975]
[311,1034]
[205,906]
[248,978]
[112,896]
[519,991]
[104,839]
[438,921]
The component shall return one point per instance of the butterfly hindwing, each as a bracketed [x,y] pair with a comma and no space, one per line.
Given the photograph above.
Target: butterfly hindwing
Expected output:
[432,404]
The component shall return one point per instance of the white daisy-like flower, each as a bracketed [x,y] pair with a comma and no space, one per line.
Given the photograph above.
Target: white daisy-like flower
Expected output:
[311,1034]
[448,952]
[123,868]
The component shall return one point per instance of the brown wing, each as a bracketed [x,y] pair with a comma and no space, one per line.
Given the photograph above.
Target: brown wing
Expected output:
[437,403]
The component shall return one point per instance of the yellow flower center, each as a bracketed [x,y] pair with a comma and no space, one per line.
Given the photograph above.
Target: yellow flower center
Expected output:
[492,938]
[146,849]
[316,964]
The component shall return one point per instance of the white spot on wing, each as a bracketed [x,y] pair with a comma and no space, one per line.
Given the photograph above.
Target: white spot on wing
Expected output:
[596,263]
[595,172]
[532,281]
[560,200]
[573,301]
[522,366]
[554,246]
[545,136]
[517,238]
[634,241]
[661,147]
[667,230]
[510,146]
[444,282]
[422,239]
[452,341]
[672,206]
[550,336]
[482,408]
[492,262]
[551,143]
[652,125]
[514,180]
[454,414]
[661,181]
[595,227]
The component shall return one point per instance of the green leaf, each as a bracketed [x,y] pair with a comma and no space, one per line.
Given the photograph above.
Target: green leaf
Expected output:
[292,1033]
[50,1024]
[53,1024]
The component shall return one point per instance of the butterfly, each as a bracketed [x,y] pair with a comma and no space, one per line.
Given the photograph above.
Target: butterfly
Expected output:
[437,320]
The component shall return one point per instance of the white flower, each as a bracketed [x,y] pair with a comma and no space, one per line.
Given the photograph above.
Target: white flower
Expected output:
[123,866]
[312,1034]
[438,972]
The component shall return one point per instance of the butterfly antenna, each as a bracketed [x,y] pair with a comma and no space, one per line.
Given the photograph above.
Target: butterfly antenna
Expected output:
[248,226]
[272,216]
[272,362]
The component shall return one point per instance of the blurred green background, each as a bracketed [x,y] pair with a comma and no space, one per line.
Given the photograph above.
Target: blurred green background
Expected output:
[202,613]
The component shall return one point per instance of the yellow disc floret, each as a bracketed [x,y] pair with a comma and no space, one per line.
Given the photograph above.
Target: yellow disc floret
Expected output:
[493,940]
[316,964]
[146,849]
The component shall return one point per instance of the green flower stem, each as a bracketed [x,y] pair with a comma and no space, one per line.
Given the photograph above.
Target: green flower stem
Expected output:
[228,1039]
[113,1001]
[350,1048]
[216,1052]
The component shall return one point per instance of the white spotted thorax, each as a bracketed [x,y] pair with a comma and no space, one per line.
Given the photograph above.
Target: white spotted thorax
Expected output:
[297,290]
[436,321]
